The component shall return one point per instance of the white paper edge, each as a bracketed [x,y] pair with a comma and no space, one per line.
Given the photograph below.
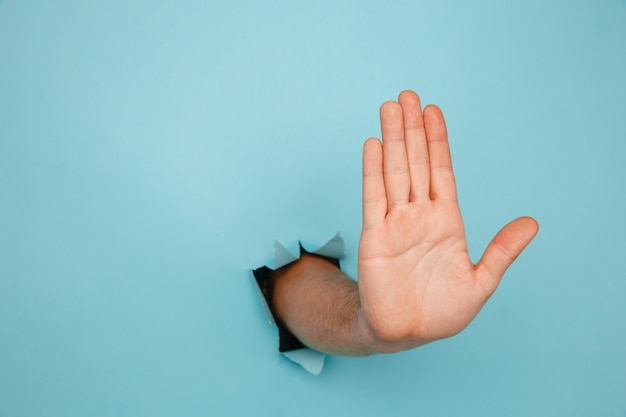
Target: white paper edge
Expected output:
[309,359]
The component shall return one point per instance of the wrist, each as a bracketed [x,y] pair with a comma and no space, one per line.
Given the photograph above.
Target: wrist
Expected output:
[372,341]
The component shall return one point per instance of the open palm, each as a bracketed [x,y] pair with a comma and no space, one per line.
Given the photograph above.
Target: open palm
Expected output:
[417,282]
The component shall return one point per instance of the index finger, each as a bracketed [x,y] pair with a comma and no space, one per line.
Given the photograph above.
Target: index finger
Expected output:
[442,183]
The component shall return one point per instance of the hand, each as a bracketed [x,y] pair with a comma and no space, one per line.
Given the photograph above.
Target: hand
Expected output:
[417,282]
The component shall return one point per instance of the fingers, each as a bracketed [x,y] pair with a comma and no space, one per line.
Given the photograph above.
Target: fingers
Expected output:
[442,184]
[414,161]
[374,196]
[395,164]
[505,247]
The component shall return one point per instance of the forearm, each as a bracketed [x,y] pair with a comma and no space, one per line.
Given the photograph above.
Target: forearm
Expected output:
[320,305]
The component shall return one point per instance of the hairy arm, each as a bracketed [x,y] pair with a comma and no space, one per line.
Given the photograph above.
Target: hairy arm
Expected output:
[417,282]
[320,305]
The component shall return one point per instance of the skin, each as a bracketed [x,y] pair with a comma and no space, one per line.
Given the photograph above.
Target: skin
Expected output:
[416,281]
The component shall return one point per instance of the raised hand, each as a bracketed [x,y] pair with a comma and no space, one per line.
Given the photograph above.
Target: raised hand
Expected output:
[416,280]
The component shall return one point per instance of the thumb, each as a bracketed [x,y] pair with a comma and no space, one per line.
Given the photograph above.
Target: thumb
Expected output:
[505,247]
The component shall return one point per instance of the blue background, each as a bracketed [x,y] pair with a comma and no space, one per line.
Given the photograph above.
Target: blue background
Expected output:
[151,152]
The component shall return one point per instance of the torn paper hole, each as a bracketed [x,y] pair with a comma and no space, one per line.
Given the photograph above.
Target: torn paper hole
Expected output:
[289,345]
